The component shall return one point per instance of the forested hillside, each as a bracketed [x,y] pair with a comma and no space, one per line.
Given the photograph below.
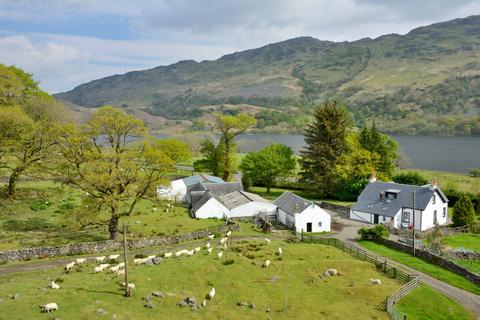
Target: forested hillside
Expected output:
[424,82]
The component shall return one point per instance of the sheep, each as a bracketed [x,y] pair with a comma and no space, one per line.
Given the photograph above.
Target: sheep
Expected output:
[80,260]
[190,253]
[209,250]
[70,266]
[330,272]
[197,249]
[139,261]
[49,307]
[211,294]
[178,253]
[204,303]
[280,251]
[53,285]
[104,265]
[99,259]
[207,245]
[229,233]
[223,240]
[267,240]
[151,257]
[121,265]
[113,257]
[211,236]
[131,286]
[97,269]
[375,281]
[120,272]
[167,254]
[114,269]
[266,264]
[220,254]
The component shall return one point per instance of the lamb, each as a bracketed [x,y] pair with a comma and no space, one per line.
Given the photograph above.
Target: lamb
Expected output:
[80,260]
[280,251]
[70,266]
[211,236]
[121,265]
[104,265]
[229,233]
[220,254]
[267,240]
[190,253]
[167,254]
[375,281]
[99,259]
[131,286]
[211,294]
[207,245]
[49,307]
[97,269]
[209,250]
[53,285]
[266,264]
[113,257]
[151,257]
[197,249]
[178,253]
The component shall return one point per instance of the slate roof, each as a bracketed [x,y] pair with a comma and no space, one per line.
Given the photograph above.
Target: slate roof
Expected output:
[291,203]
[191,180]
[238,198]
[369,200]
[219,189]
[200,202]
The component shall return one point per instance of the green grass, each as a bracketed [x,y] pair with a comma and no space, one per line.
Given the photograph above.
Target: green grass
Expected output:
[470,264]
[423,266]
[276,192]
[425,303]
[299,270]
[463,240]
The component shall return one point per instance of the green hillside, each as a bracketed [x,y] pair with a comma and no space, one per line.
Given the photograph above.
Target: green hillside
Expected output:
[424,82]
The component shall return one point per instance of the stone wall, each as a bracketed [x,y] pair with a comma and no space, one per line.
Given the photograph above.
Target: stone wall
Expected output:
[343,211]
[432,258]
[107,245]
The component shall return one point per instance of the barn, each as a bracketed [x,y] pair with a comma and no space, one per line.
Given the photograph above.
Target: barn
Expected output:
[177,189]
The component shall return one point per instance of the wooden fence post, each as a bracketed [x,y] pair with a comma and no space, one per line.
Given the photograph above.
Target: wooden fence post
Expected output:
[385,266]
[394,272]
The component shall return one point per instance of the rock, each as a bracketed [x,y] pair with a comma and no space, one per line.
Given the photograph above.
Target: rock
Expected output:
[102,312]
[275,278]
[191,300]
[182,303]
[147,297]
[149,262]
[331,272]
[242,303]
[157,294]
[149,305]
[157,260]
[252,305]
[15,296]
[194,307]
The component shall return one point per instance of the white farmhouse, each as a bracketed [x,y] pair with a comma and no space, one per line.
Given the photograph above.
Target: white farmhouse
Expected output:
[177,189]
[383,202]
[302,215]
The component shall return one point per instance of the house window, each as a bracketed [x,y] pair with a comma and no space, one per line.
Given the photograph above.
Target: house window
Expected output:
[433,199]
[383,218]
[444,212]
[435,217]
[319,224]
[406,217]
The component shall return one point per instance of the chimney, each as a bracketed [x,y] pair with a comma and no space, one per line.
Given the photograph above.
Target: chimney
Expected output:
[373,177]
[433,184]
[382,195]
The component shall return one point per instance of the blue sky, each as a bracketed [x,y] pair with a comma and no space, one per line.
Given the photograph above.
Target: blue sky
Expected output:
[68,42]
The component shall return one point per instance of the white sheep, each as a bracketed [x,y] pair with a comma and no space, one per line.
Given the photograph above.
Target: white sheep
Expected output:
[80,260]
[211,236]
[120,272]
[178,253]
[266,264]
[209,250]
[70,266]
[97,270]
[280,251]
[131,286]
[49,307]
[267,240]
[139,261]
[229,233]
[204,303]
[113,257]
[114,269]
[220,254]
[190,253]
[121,265]
[211,294]
[223,240]
[104,265]
[375,281]
[99,259]
[53,285]
[207,245]
[167,254]
[197,249]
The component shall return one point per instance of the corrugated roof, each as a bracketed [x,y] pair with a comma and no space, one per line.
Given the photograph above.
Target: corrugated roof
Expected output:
[219,189]
[370,201]
[191,180]
[238,198]
[291,203]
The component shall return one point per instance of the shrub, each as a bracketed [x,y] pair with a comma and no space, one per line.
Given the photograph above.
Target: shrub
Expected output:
[463,212]
[67,206]
[410,177]
[378,231]
[350,189]
[475,172]
[38,205]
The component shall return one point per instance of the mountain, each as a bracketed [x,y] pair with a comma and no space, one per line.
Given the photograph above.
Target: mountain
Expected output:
[424,82]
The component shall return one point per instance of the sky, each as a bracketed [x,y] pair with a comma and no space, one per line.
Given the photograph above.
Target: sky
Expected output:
[65,43]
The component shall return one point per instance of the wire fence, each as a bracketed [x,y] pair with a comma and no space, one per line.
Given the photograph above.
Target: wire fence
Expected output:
[409,281]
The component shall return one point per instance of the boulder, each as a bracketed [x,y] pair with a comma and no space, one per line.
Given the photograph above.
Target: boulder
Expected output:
[149,305]
[157,294]
[102,312]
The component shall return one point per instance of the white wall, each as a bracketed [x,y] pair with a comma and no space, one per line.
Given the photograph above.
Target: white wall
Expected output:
[252,208]
[361,216]
[315,215]
[401,224]
[212,209]
[177,190]
[427,218]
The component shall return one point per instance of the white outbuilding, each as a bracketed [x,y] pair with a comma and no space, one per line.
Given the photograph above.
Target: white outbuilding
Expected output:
[246,204]
[300,214]
[177,189]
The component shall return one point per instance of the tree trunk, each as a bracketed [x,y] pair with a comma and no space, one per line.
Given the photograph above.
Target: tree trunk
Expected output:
[268,189]
[226,170]
[113,225]
[12,182]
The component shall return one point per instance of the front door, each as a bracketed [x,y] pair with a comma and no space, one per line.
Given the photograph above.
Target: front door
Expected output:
[309,227]
[375,218]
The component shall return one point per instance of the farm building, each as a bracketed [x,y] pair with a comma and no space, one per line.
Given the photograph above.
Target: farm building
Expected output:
[216,189]
[388,202]
[177,190]
[297,213]
[246,204]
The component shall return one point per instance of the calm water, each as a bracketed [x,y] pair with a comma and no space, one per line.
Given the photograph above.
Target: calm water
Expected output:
[457,154]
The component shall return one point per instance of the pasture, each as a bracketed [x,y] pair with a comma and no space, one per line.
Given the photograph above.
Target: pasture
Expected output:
[291,288]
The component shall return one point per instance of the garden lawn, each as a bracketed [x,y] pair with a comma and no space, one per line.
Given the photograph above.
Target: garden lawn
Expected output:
[424,303]
[291,288]
[276,192]
[463,240]
[423,266]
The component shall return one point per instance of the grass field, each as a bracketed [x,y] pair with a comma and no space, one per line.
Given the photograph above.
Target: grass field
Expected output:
[463,240]
[51,224]
[425,304]
[423,266]
[276,192]
[296,292]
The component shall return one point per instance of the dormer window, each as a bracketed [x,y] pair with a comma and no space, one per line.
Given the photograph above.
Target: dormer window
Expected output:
[391,194]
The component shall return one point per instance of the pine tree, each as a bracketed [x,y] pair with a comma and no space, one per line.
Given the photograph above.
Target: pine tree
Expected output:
[326,142]
[463,212]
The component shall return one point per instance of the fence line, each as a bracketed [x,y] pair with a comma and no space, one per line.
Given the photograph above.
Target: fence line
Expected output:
[409,281]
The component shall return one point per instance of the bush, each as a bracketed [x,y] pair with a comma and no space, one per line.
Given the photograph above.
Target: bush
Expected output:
[475,172]
[378,231]
[38,205]
[350,189]
[410,177]
[463,212]
[67,206]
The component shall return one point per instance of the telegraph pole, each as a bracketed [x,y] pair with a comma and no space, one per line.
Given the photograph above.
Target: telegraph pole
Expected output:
[127,289]
[413,229]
